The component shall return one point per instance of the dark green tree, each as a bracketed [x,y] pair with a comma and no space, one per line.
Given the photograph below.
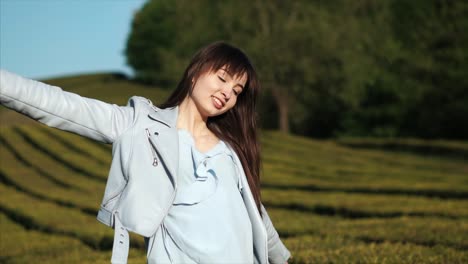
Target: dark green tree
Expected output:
[293,44]
[434,62]
[364,68]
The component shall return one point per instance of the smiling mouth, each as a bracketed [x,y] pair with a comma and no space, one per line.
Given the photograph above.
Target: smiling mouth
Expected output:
[217,103]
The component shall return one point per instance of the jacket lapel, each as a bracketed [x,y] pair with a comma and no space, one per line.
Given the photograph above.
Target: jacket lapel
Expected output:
[164,138]
[258,229]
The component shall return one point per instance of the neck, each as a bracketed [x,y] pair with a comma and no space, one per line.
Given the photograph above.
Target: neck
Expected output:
[190,118]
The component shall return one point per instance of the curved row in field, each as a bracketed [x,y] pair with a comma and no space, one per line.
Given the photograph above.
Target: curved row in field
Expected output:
[340,249]
[331,152]
[54,219]
[38,246]
[323,198]
[47,247]
[29,156]
[99,152]
[356,205]
[428,232]
[327,167]
[62,154]
[25,180]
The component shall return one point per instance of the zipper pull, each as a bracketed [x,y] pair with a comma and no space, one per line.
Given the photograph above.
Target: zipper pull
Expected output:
[155,160]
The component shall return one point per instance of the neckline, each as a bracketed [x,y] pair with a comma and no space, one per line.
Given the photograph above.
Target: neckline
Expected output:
[191,141]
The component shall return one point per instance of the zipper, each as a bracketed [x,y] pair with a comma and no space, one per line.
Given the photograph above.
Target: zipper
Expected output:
[153,152]
[112,198]
[155,161]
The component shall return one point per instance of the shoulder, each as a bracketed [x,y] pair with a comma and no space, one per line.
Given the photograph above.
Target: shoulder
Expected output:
[139,101]
[141,105]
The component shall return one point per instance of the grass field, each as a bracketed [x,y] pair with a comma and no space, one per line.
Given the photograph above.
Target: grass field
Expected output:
[345,201]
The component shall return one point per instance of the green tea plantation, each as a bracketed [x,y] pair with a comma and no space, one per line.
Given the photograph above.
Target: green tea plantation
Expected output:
[332,201]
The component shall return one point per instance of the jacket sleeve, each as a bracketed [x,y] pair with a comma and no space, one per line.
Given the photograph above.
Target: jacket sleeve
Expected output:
[64,110]
[277,252]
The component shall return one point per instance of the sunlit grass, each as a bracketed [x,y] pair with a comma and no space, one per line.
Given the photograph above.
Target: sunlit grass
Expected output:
[331,201]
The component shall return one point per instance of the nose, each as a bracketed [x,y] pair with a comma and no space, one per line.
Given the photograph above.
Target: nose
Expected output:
[226,92]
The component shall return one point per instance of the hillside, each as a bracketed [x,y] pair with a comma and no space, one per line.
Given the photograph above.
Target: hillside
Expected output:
[330,201]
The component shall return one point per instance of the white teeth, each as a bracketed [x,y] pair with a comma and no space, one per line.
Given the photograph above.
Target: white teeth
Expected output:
[218,101]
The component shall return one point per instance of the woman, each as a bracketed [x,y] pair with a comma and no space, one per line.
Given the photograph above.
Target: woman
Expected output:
[184,175]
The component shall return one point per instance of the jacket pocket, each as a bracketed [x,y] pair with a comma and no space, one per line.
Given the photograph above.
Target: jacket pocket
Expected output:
[110,202]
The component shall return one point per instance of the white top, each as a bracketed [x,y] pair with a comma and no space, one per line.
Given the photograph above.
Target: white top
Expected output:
[208,222]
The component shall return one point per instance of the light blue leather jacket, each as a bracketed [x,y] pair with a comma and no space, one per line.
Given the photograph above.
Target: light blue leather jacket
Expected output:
[142,179]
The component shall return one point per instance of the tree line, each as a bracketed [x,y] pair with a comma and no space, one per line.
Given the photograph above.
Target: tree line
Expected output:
[389,68]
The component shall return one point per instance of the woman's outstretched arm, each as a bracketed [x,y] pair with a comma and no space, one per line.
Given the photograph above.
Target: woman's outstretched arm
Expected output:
[64,110]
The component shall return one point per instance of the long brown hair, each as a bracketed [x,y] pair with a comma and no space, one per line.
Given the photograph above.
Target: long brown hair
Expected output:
[238,126]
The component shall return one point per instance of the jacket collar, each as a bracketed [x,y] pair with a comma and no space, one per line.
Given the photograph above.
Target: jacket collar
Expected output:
[167,116]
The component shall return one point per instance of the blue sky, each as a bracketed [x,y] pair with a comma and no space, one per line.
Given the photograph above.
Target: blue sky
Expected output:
[51,38]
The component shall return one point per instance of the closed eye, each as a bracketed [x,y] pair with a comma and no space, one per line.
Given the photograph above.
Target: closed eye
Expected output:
[219,77]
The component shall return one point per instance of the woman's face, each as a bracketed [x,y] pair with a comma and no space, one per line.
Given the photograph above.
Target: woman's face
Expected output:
[215,92]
